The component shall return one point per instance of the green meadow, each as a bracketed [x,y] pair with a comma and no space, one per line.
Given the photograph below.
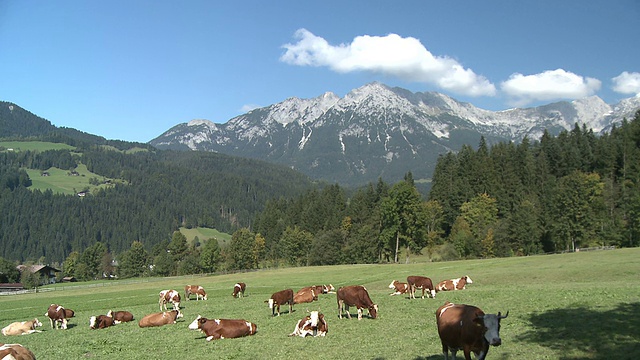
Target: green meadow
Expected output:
[572,306]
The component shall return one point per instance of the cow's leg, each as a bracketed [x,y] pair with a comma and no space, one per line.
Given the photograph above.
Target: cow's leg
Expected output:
[359,314]
[290,308]
[340,303]
[346,308]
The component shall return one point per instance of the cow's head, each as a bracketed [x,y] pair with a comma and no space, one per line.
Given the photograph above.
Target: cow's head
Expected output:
[93,322]
[271,303]
[491,323]
[467,280]
[393,284]
[110,313]
[373,311]
[313,316]
[197,323]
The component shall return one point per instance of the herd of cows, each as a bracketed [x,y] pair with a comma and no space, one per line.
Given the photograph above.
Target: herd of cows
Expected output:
[460,327]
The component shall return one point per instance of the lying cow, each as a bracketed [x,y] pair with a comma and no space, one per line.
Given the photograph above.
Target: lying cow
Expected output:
[305,295]
[58,316]
[160,318]
[454,284]
[238,290]
[324,289]
[120,316]
[15,352]
[313,324]
[195,289]
[420,282]
[169,296]
[100,322]
[280,298]
[358,296]
[22,327]
[216,329]
[467,328]
[398,287]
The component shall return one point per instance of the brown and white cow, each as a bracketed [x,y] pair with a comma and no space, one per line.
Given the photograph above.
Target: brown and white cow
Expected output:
[160,318]
[420,282]
[238,290]
[216,329]
[324,289]
[467,328]
[313,324]
[100,322]
[15,352]
[22,327]
[305,295]
[398,287]
[58,316]
[120,316]
[195,289]
[358,296]
[281,297]
[169,296]
[454,284]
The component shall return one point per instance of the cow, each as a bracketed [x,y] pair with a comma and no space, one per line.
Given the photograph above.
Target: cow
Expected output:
[467,328]
[454,284]
[398,287]
[238,290]
[305,295]
[313,324]
[216,329]
[15,352]
[169,296]
[280,298]
[100,322]
[120,316]
[58,316]
[160,318]
[358,296]
[420,282]
[22,327]
[323,289]
[195,289]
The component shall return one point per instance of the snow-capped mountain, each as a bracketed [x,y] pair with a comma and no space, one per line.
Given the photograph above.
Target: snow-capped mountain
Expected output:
[377,131]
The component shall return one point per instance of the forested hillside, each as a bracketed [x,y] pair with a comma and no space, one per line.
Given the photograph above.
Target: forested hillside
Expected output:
[560,193]
[163,190]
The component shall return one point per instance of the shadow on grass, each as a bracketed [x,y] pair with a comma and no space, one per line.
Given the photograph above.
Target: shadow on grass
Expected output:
[583,333]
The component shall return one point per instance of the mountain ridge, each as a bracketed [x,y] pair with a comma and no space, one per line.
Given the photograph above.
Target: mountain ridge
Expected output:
[377,131]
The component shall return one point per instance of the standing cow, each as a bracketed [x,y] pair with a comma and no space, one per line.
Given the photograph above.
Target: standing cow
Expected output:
[238,290]
[169,296]
[358,296]
[467,328]
[280,298]
[223,328]
[160,319]
[195,289]
[58,316]
[313,324]
[305,295]
[454,284]
[420,282]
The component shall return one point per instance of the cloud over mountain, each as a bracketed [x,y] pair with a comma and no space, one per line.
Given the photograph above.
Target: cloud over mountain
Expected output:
[406,58]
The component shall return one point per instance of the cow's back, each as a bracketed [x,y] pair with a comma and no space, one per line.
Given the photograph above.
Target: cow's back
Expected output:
[456,325]
[16,351]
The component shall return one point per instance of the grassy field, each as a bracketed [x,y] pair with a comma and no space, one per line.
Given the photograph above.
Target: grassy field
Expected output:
[59,180]
[571,306]
[204,234]
[33,146]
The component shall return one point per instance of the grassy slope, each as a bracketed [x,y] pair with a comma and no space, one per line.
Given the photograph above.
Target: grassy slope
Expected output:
[205,234]
[571,306]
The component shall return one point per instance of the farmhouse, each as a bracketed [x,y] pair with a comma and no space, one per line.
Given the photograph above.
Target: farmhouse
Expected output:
[46,272]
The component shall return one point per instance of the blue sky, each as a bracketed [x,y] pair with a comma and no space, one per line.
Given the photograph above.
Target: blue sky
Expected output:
[131,70]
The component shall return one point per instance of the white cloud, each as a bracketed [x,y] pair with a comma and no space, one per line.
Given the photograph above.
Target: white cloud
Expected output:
[627,83]
[405,58]
[549,85]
